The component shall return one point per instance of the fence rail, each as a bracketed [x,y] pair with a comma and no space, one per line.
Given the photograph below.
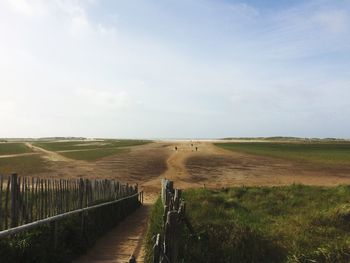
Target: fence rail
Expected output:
[28,226]
[25,200]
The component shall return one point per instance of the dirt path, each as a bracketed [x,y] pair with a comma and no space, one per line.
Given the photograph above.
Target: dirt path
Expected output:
[208,166]
[124,240]
[128,237]
[51,156]
[121,242]
[17,155]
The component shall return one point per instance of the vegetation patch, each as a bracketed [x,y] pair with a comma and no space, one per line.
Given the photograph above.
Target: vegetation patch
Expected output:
[24,165]
[331,153]
[266,224]
[92,155]
[89,150]
[13,148]
[155,225]
[88,145]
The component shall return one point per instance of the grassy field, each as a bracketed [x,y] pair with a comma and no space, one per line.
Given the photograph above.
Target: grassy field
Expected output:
[320,153]
[13,148]
[23,165]
[259,224]
[89,150]
[92,155]
[87,145]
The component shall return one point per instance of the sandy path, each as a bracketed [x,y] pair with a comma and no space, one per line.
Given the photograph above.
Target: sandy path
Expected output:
[121,242]
[51,156]
[17,155]
[127,238]
[124,240]
[211,166]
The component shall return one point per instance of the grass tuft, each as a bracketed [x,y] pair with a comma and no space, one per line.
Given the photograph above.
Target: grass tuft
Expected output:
[293,223]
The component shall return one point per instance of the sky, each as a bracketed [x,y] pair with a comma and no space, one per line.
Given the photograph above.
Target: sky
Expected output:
[174,68]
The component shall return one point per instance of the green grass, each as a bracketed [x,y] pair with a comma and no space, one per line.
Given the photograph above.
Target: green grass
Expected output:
[92,155]
[320,153]
[279,224]
[155,222]
[89,150]
[88,145]
[13,148]
[23,165]
[260,224]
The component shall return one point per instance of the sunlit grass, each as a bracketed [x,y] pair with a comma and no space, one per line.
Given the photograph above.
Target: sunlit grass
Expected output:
[13,148]
[321,153]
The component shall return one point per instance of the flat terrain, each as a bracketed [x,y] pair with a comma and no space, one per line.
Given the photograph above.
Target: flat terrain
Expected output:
[212,165]
[13,148]
[89,150]
[331,153]
[209,166]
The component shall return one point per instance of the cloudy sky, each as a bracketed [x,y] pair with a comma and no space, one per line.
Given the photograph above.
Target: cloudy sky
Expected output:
[172,69]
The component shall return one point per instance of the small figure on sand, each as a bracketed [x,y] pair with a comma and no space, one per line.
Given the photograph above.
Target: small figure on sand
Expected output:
[132,259]
[175,148]
[196,148]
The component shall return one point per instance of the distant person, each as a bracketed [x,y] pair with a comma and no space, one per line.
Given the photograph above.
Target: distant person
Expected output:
[132,259]
[175,148]
[196,148]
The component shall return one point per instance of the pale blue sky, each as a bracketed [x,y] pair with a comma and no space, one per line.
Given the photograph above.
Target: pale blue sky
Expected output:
[184,68]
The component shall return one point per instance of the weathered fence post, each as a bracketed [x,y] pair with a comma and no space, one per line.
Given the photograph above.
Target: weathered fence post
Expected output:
[25,200]
[14,205]
[171,236]
[173,218]
[157,250]
[1,182]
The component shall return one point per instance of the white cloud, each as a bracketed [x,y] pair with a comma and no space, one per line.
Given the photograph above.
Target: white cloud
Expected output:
[243,10]
[336,21]
[28,7]
[209,80]
[75,12]
[106,100]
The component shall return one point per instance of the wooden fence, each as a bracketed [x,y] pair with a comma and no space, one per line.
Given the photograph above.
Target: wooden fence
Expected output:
[24,200]
[166,247]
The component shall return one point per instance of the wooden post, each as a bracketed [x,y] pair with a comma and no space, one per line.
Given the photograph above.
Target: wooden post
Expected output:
[7,202]
[32,199]
[171,236]
[1,181]
[173,218]
[81,193]
[14,211]
[156,250]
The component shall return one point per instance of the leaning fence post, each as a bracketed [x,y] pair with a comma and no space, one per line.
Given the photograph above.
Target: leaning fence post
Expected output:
[14,212]
[156,250]
[171,236]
